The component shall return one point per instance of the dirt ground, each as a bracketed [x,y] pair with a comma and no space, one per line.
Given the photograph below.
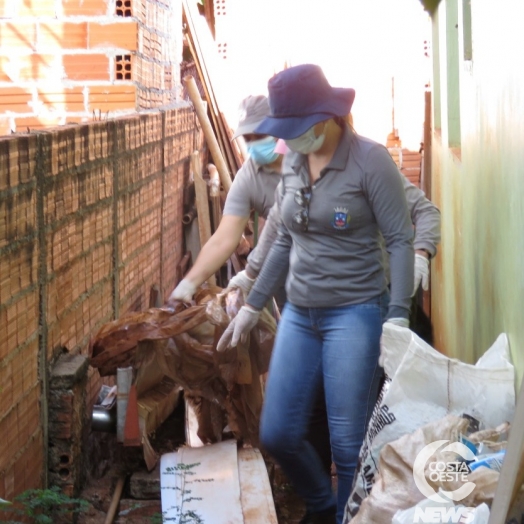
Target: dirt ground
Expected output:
[105,471]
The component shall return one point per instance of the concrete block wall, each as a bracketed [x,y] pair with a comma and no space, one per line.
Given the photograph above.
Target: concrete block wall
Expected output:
[72,61]
[90,220]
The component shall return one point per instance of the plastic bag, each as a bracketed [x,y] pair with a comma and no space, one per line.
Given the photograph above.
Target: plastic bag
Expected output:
[426,386]
[409,474]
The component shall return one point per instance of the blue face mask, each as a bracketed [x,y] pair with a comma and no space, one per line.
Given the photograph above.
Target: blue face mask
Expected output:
[263,151]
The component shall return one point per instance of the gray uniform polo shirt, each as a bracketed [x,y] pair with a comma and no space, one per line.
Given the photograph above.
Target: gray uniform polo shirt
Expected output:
[338,261]
[253,188]
[425,216]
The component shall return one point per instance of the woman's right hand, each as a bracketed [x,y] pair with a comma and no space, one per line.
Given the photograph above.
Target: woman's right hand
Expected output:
[184,291]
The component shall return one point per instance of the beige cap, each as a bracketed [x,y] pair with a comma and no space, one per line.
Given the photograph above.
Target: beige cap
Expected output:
[253,110]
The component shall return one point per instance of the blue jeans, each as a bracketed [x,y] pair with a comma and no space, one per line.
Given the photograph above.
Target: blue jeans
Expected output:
[339,346]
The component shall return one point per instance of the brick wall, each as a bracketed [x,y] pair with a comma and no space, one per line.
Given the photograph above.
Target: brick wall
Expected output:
[71,61]
[89,221]
[156,66]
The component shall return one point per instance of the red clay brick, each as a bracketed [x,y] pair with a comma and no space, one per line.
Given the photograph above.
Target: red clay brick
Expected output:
[65,99]
[5,129]
[84,7]
[18,35]
[28,67]
[122,35]
[33,122]
[62,35]
[15,99]
[35,8]
[112,98]
[4,13]
[86,67]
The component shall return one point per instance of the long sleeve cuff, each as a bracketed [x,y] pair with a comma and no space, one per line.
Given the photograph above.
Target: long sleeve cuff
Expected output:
[428,246]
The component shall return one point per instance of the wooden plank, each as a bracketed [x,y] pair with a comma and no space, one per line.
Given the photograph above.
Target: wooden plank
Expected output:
[202,204]
[256,497]
[214,148]
[192,438]
[214,195]
[131,428]
[207,61]
[204,79]
[255,490]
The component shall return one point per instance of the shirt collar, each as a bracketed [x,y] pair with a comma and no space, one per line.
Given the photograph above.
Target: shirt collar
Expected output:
[265,169]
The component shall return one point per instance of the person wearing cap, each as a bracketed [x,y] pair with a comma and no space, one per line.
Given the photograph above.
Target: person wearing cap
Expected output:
[253,189]
[340,193]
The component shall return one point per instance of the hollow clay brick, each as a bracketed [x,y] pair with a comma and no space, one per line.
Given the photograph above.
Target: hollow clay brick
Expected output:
[120,35]
[61,35]
[84,7]
[29,67]
[16,35]
[87,67]
[112,98]
[35,8]
[62,99]
[5,129]
[33,122]
[15,99]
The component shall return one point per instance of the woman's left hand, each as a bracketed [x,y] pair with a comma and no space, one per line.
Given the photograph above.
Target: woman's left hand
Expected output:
[239,328]
[421,272]
[401,322]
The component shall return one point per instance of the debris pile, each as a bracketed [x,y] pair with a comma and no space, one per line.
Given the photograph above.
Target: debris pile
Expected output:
[175,346]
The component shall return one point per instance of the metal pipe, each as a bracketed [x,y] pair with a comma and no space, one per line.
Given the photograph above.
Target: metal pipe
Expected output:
[188,217]
[103,419]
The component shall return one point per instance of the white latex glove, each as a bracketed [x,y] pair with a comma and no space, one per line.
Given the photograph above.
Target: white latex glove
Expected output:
[184,291]
[401,322]
[242,281]
[421,272]
[239,328]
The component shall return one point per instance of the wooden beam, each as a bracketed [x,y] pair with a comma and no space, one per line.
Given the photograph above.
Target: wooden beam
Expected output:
[202,204]
[208,63]
[211,140]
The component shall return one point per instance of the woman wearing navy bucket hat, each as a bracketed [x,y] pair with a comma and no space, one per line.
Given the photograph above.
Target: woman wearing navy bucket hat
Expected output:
[340,192]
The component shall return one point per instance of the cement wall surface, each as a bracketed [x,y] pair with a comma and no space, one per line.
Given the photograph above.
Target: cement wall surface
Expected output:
[478,165]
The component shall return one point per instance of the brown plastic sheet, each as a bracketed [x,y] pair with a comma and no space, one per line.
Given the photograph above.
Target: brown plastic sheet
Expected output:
[229,380]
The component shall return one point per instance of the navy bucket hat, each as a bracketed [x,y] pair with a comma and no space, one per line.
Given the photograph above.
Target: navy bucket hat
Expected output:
[299,98]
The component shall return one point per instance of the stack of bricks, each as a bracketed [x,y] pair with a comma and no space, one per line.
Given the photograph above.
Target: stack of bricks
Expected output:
[90,221]
[409,163]
[71,61]
[67,422]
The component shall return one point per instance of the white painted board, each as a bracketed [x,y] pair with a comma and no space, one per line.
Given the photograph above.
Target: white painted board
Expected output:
[201,484]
